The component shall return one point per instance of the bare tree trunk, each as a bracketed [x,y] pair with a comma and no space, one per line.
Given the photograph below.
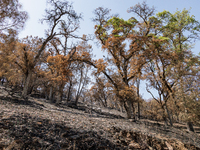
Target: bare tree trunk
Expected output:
[46,96]
[26,84]
[80,88]
[60,92]
[138,95]
[133,110]
[69,92]
[177,111]
[30,89]
[164,115]
[129,111]
[190,126]
[2,80]
[51,93]
[169,116]
[121,106]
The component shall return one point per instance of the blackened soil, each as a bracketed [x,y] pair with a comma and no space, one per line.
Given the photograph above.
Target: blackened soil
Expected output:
[39,124]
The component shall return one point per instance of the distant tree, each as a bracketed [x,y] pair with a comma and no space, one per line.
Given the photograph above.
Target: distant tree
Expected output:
[82,82]
[60,71]
[100,91]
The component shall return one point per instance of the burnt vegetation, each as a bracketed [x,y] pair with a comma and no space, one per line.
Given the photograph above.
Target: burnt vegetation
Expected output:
[54,94]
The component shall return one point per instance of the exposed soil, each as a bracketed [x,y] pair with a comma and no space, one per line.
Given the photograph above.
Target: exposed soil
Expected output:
[39,124]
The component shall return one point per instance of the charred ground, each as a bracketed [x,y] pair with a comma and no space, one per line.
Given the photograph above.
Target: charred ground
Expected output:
[39,124]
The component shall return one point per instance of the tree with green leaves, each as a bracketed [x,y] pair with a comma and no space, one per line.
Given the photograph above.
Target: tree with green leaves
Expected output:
[173,59]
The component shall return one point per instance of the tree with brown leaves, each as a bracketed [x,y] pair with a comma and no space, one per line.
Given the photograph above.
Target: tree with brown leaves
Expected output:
[124,42]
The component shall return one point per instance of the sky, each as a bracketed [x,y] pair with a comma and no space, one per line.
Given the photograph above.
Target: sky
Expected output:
[35,9]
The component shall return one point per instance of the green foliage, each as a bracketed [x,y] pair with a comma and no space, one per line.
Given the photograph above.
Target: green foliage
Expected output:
[178,23]
[120,25]
[163,38]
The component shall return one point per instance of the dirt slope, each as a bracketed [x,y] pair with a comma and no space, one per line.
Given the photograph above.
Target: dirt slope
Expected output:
[38,124]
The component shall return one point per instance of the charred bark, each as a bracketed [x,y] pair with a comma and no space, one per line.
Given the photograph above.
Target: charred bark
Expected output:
[26,84]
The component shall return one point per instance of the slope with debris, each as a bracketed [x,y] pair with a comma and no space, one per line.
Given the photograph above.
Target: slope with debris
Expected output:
[39,124]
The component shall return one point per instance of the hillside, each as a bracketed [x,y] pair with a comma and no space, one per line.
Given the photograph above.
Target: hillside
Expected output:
[39,124]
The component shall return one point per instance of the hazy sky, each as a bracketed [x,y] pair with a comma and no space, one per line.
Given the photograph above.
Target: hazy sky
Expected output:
[35,9]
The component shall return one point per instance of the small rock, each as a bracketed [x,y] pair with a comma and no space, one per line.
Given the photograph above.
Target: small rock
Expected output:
[131,120]
[122,133]
[128,135]
[169,146]
[128,139]
[134,146]
[74,137]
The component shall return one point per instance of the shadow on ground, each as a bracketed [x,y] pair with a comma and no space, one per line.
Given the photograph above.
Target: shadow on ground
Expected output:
[20,101]
[97,113]
[36,133]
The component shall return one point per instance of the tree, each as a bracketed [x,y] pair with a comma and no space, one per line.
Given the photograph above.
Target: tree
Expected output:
[138,96]
[7,46]
[100,91]
[60,17]
[124,42]
[60,72]
[188,94]
[173,57]
[83,81]
[11,17]
[55,18]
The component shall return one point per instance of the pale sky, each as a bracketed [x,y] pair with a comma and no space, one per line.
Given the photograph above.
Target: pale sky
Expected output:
[35,9]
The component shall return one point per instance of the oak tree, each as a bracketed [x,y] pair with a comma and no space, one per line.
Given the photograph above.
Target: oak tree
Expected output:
[124,41]
[173,59]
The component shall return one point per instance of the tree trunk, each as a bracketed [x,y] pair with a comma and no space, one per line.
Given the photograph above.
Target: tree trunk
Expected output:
[165,119]
[69,92]
[60,98]
[46,96]
[128,107]
[30,89]
[138,96]
[169,116]
[138,105]
[190,126]
[121,106]
[51,93]
[26,84]
[2,80]
[164,116]
[80,88]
